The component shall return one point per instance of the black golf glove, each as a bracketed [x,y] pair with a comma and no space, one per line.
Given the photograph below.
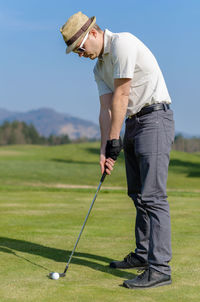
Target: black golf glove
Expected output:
[113,148]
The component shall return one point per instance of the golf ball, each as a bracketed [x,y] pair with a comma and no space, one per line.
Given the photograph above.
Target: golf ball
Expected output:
[55,276]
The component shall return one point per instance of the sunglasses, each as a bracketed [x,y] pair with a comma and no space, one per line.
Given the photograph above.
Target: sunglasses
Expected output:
[80,48]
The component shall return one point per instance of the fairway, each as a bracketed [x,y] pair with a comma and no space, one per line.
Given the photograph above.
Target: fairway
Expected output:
[40,221]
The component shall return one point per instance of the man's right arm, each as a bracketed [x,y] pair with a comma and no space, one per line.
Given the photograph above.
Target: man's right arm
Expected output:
[105,126]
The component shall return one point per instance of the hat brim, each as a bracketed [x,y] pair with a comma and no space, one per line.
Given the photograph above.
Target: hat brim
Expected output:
[71,47]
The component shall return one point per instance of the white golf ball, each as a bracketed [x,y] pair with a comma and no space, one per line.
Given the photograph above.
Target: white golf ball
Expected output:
[55,276]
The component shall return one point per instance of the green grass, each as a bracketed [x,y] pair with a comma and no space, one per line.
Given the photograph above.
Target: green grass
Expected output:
[79,164]
[39,225]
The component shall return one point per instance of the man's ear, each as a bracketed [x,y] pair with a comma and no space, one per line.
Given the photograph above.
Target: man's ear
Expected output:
[93,32]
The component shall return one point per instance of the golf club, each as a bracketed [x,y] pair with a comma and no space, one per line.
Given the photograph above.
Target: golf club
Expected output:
[54,275]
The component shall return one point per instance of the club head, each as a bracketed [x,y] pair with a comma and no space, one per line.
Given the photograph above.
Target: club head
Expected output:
[62,274]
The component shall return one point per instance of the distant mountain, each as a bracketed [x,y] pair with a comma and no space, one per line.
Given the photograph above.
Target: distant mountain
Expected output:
[48,121]
[4,114]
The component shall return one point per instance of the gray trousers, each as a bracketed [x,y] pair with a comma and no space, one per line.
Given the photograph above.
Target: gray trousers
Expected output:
[147,144]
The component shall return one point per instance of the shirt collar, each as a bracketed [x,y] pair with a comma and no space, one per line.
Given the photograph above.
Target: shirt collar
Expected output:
[107,42]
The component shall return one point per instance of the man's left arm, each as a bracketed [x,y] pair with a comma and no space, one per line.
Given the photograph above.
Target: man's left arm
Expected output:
[119,105]
[118,112]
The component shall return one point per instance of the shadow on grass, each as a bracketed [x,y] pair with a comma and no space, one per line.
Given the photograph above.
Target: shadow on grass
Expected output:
[192,169]
[86,162]
[94,150]
[9,245]
[71,161]
[9,251]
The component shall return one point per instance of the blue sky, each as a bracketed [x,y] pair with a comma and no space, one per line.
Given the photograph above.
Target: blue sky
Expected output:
[35,71]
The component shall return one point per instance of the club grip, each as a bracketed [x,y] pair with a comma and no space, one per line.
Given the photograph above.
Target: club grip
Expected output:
[103,176]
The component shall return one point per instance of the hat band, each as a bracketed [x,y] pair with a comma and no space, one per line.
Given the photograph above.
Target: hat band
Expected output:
[79,33]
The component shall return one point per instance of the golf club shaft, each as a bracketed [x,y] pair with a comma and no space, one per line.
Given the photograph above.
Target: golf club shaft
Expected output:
[99,186]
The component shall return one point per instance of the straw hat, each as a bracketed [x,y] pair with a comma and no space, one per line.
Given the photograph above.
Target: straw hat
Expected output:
[76,27]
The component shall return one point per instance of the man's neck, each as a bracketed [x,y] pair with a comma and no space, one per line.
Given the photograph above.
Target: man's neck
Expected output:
[102,48]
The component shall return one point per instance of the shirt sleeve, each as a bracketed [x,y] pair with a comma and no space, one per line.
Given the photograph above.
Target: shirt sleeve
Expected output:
[124,53]
[101,85]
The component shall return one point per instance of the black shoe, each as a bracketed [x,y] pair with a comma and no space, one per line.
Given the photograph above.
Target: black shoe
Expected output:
[130,261]
[149,278]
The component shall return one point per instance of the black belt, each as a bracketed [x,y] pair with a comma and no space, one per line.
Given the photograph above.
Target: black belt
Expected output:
[151,108]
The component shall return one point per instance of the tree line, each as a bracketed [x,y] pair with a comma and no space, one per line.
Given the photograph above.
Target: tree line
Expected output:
[20,133]
[17,132]
[186,144]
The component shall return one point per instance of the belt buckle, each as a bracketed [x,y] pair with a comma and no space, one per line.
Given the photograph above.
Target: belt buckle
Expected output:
[131,116]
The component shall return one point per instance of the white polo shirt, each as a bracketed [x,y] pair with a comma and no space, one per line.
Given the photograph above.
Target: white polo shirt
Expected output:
[125,56]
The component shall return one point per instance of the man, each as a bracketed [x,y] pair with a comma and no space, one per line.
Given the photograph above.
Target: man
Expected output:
[131,85]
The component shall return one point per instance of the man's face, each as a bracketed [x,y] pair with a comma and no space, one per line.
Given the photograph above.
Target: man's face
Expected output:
[91,47]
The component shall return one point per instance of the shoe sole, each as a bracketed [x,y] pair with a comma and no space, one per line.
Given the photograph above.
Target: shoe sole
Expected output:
[146,287]
[134,267]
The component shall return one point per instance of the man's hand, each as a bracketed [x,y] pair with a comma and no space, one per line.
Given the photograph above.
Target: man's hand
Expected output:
[106,163]
[113,148]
